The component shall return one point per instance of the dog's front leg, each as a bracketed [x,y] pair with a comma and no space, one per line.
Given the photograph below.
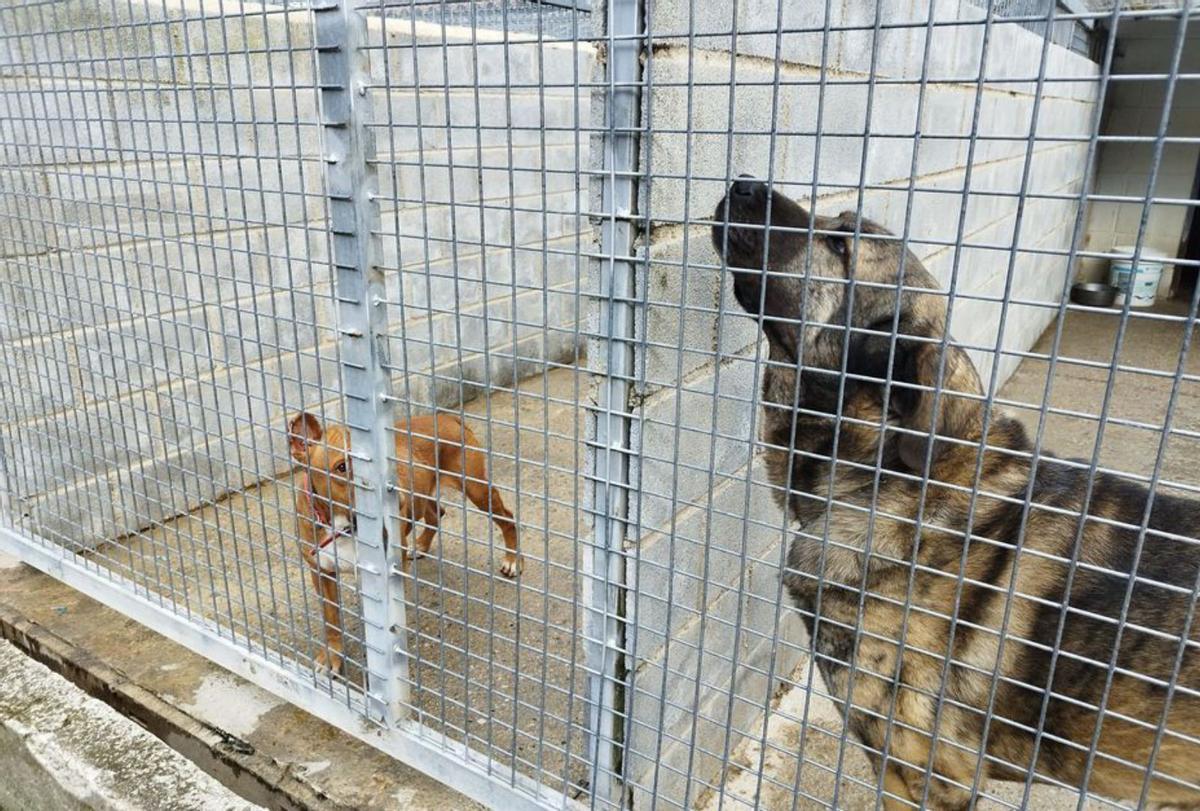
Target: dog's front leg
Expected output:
[431,514]
[406,528]
[326,587]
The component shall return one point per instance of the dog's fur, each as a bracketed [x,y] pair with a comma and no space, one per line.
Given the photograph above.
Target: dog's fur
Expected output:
[869,561]
[429,452]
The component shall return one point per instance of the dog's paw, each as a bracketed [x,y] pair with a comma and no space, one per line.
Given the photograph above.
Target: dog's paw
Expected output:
[511,567]
[329,663]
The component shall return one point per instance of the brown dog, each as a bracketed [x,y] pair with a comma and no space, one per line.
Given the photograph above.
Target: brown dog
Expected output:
[430,452]
[974,687]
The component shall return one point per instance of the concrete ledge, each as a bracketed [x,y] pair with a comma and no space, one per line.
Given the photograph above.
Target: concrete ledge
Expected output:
[59,748]
[228,758]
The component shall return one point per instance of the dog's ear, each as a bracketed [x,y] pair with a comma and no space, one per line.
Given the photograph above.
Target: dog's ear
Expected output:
[303,430]
[938,399]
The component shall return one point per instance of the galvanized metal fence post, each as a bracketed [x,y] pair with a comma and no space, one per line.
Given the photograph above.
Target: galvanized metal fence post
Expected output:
[352,190]
[623,41]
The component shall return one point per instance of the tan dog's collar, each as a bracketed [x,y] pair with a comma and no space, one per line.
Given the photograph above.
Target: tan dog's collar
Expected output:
[315,511]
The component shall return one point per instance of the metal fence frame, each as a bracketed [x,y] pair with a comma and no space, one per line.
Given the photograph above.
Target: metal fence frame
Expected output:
[354,222]
[607,634]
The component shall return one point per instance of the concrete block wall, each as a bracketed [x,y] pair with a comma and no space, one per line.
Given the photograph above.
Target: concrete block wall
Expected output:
[165,294]
[1134,108]
[710,642]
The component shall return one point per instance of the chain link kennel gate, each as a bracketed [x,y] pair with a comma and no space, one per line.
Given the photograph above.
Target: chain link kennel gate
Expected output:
[217,215]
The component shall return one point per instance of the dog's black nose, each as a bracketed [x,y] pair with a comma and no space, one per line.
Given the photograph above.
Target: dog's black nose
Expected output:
[745,186]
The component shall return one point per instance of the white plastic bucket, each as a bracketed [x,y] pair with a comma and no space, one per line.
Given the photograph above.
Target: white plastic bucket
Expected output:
[1144,280]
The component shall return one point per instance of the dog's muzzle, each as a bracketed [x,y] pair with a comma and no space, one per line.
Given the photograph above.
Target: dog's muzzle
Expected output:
[744,204]
[346,530]
[738,234]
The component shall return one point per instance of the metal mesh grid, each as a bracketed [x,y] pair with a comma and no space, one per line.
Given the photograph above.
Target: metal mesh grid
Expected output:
[559,21]
[165,297]
[181,278]
[481,158]
[1073,33]
[190,312]
[717,618]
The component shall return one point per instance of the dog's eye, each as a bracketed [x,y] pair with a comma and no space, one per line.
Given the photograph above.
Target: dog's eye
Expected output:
[837,244]
[341,467]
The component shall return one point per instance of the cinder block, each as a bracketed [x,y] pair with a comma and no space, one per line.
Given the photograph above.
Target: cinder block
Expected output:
[43,297]
[709,25]
[168,122]
[946,111]
[680,314]
[26,224]
[198,410]
[900,42]
[672,584]
[696,734]
[174,45]
[41,377]
[269,325]
[114,504]
[60,449]
[711,154]
[493,109]
[771,627]
[47,121]
[457,56]
[74,523]
[532,353]
[236,265]
[420,234]
[123,357]
[1065,118]
[667,687]
[425,179]
[713,426]
[85,207]
[959,48]
[893,124]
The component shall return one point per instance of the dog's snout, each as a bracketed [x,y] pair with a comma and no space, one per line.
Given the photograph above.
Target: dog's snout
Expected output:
[746,187]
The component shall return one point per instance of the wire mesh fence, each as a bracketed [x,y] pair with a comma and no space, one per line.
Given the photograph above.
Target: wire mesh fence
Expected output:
[551,20]
[644,404]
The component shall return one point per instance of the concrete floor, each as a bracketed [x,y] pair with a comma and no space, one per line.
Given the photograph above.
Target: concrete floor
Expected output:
[237,563]
[466,654]
[61,749]
[494,661]
[286,744]
[1087,338]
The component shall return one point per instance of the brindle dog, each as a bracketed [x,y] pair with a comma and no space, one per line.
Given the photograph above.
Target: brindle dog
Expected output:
[852,586]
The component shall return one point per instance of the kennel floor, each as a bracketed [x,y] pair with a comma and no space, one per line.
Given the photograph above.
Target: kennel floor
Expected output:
[493,662]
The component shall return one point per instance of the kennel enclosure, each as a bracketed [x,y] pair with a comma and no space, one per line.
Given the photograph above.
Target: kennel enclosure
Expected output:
[216,214]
